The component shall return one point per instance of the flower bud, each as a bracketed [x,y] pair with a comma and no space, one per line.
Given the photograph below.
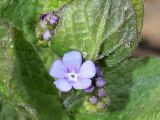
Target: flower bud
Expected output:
[106,100]
[101,105]
[100,82]
[93,100]
[43,17]
[99,72]
[52,21]
[55,18]
[101,92]
[46,35]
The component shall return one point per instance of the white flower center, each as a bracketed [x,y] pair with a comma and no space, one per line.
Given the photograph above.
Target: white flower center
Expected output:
[72,77]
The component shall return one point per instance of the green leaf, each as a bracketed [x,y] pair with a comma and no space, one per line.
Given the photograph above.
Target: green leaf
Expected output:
[8,105]
[90,25]
[33,83]
[19,12]
[138,7]
[134,90]
[9,112]
[50,5]
[24,15]
[6,64]
[145,97]
[121,37]
[31,87]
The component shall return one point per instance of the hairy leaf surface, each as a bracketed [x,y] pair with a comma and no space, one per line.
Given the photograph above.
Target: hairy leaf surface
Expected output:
[97,28]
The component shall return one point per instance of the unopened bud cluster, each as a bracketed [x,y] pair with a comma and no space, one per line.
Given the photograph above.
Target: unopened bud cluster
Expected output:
[46,26]
[98,99]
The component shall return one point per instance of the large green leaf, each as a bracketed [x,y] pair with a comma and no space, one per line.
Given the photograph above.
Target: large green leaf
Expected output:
[33,83]
[31,88]
[89,25]
[9,109]
[134,90]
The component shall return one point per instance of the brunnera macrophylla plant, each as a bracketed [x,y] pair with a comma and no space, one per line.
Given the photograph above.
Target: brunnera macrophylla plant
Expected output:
[71,60]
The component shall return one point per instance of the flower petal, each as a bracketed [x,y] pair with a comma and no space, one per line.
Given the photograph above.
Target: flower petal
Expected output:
[90,89]
[87,70]
[63,85]
[82,84]
[57,69]
[73,59]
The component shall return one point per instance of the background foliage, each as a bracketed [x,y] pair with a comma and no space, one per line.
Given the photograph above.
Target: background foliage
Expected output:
[105,31]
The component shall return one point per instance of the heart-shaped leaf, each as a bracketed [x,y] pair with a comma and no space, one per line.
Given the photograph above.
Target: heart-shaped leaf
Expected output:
[97,28]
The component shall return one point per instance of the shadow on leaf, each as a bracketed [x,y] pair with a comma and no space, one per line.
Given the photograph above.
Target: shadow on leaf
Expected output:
[119,82]
[33,83]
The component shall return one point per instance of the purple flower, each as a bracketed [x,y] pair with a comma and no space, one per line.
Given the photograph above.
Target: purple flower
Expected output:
[93,100]
[46,35]
[101,92]
[70,72]
[100,82]
[90,89]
